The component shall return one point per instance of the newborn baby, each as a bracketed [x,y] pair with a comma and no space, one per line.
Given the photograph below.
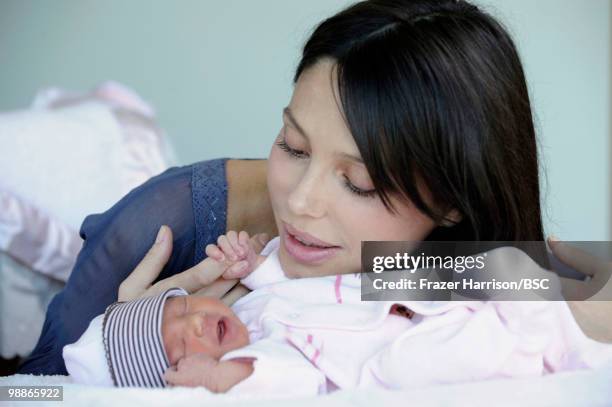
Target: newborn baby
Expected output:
[201,330]
[134,343]
[314,335]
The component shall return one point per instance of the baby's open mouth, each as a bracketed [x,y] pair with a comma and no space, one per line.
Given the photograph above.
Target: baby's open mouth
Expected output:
[221,328]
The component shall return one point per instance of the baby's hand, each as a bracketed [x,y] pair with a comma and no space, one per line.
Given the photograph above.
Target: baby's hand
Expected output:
[192,371]
[239,251]
[200,369]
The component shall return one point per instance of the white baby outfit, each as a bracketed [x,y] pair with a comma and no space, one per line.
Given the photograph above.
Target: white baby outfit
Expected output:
[313,335]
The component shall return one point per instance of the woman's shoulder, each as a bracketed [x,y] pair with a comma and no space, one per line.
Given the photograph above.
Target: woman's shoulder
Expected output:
[209,170]
[209,182]
[187,198]
[209,200]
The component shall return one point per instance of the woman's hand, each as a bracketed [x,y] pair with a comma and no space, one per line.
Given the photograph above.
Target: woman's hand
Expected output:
[598,284]
[202,279]
[594,313]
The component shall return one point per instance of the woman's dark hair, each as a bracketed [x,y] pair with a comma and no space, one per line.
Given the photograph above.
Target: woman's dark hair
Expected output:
[434,92]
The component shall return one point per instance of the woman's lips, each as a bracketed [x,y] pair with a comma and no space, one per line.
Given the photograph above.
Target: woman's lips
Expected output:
[305,237]
[304,254]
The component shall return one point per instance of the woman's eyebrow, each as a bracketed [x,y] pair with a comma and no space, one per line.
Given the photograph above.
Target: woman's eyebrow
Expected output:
[287,112]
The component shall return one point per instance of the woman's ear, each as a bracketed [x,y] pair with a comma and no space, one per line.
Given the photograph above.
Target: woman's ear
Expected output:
[451,218]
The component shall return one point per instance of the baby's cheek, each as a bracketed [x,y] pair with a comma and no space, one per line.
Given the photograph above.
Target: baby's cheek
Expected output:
[170,345]
[171,353]
[244,337]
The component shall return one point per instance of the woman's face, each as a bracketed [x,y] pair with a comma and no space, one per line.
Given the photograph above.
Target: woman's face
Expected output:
[320,189]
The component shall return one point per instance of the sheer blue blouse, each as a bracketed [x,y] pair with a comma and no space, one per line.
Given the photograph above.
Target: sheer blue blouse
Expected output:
[192,200]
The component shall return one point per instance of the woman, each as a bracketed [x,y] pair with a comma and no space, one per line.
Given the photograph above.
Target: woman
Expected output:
[409,120]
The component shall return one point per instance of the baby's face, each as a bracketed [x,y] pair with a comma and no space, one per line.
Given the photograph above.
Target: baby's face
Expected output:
[195,324]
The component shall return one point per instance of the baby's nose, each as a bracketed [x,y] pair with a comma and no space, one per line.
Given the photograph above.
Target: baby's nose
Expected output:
[205,326]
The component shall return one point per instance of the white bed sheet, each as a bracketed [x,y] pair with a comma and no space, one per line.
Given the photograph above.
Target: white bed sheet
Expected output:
[579,388]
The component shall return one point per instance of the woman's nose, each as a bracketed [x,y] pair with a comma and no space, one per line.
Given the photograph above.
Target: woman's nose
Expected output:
[307,198]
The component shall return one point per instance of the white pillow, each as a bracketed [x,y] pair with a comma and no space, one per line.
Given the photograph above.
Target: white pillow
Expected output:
[68,156]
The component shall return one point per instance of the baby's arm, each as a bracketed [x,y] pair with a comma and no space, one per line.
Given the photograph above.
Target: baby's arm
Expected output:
[202,370]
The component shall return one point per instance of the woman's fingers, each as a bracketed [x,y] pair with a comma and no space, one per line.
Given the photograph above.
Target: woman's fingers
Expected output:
[217,289]
[576,258]
[235,294]
[599,287]
[202,277]
[191,280]
[149,267]
[574,289]
[212,250]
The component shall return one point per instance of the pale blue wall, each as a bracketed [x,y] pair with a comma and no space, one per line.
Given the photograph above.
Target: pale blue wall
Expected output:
[219,73]
[565,47]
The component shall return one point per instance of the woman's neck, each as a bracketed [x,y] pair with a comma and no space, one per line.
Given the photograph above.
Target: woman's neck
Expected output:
[248,203]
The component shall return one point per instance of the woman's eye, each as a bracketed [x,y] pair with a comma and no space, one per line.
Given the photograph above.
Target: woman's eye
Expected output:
[291,151]
[347,183]
[371,193]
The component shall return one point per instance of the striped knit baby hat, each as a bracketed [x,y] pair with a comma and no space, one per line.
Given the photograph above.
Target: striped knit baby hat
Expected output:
[132,335]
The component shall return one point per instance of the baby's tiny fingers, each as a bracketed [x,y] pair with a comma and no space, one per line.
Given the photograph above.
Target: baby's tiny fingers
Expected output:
[227,248]
[243,238]
[234,239]
[212,250]
[237,270]
[232,236]
[170,376]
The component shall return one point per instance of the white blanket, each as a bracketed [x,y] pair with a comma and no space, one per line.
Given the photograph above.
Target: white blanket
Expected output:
[578,388]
